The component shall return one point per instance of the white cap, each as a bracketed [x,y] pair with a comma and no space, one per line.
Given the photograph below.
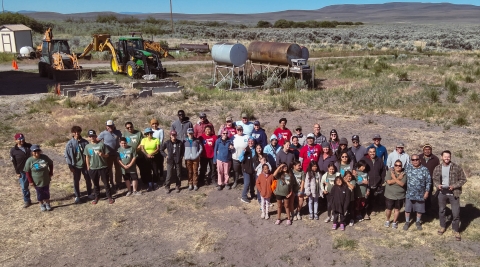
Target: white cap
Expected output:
[110,123]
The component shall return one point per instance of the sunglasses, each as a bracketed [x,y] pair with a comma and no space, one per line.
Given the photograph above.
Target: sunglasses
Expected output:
[415,159]
[148,133]
[355,142]
[224,133]
[398,165]
[344,157]
[129,127]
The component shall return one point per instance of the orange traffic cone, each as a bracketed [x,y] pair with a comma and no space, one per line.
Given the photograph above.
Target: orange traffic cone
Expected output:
[14,65]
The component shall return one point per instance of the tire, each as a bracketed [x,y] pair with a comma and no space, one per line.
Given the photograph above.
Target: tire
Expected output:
[113,66]
[132,70]
[42,70]
[49,72]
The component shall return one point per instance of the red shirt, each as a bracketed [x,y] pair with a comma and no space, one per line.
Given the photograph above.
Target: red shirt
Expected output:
[310,153]
[208,142]
[282,135]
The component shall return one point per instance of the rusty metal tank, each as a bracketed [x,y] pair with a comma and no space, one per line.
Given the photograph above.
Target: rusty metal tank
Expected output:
[229,54]
[273,52]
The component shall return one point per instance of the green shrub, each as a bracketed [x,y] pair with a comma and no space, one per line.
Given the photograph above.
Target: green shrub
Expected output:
[451,86]
[264,24]
[15,18]
[285,100]
[106,19]
[432,94]
[272,82]
[402,76]
[461,120]
[288,83]
[469,79]
[344,243]
[474,97]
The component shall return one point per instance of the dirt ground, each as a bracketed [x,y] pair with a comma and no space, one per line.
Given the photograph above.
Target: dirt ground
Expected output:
[214,228]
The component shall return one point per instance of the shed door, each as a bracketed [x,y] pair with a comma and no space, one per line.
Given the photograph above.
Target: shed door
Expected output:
[7,44]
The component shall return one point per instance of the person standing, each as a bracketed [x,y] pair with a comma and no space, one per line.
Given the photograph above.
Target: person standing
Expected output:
[223,157]
[282,132]
[326,158]
[318,137]
[430,161]
[127,157]
[193,150]
[76,162]
[334,141]
[181,126]
[247,126]
[133,136]
[376,174]
[340,194]
[96,154]
[302,139]
[343,148]
[448,179]
[418,186]
[379,148]
[208,140]
[309,152]
[175,151]
[39,170]
[19,155]
[394,193]
[271,151]
[399,154]
[284,155]
[228,126]
[150,147]
[111,138]
[159,134]
[358,150]
[199,128]
[259,134]
[247,160]
[264,187]
[240,142]
[295,147]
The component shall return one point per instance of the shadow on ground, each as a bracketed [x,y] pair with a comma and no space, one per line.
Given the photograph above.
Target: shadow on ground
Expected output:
[21,83]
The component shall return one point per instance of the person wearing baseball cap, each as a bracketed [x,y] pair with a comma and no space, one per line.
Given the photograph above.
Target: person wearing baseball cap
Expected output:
[334,141]
[259,134]
[309,152]
[343,148]
[223,158]
[96,155]
[150,146]
[247,125]
[111,138]
[271,151]
[160,135]
[282,132]
[240,143]
[229,127]
[19,154]
[399,154]
[199,128]
[181,125]
[193,150]
[302,139]
[76,162]
[174,155]
[357,149]
[379,148]
[39,170]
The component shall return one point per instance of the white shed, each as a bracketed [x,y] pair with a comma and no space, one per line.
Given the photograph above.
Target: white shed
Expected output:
[15,36]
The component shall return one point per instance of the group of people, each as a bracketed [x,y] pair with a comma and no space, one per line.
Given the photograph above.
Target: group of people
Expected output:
[289,168]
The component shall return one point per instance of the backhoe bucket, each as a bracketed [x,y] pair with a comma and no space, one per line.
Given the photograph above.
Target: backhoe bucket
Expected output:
[72,75]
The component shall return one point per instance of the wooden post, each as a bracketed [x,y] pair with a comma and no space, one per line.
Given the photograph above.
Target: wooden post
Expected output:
[171,15]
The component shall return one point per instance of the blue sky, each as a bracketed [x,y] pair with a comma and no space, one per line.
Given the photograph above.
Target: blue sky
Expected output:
[188,6]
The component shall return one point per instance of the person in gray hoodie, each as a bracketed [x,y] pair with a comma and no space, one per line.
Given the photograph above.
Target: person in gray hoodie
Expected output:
[193,150]
[181,125]
[76,162]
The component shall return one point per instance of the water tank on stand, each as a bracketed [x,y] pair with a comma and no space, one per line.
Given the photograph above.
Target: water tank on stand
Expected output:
[229,54]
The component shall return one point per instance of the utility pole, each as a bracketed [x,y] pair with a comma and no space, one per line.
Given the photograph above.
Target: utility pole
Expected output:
[171,14]
[3,9]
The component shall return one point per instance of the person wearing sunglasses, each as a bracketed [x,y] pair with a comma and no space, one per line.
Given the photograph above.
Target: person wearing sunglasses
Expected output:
[240,142]
[343,148]
[150,147]
[394,193]
[379,148]
[376,174]
[302,139]
[398,154]
[357,149]
[418,187]
[334,141]
[159,134]
[222,155]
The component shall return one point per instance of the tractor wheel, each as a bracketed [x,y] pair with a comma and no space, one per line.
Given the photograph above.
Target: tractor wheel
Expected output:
[132,70]
[113,66]
[42,70]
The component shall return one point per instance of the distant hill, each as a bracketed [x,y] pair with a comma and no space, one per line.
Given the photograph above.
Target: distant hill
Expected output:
[372,13]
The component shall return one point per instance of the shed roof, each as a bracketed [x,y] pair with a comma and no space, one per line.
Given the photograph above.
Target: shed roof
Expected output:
[15,27]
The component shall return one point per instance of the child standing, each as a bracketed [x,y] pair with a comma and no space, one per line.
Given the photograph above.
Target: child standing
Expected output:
[351,184]
[312,189]
[328,180]
[264,186]
[127,158]
[361,190]
[341,199]
[300,177]
[39,170]
[284,191]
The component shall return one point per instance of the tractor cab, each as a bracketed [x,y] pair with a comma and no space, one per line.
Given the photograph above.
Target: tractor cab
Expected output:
[55,46]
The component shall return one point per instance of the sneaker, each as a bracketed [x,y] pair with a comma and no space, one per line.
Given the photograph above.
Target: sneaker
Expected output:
[406,225]
[190,187]
[149,189]
[328,219]
[289,222]
[359,218]
[219,188]
[167,190]
[262,215]
[366,217]
[42,207]
[129,193]
[27,204]
[418,224]
[111,201]
[77,200]
[342,227]
[277,222]
[387,224]
[334,226]
[299,217]
[91,196]
[352,222]
[154,187]
[316,217]
[457,235]
[331,218]
[95,201]
[177,189]
[374,213]
[295,217]
[245,200]
[234,185]
[47,207]
[195,188]
[267,217]
[311,216]
[394,225]
[441,231]
[137,193]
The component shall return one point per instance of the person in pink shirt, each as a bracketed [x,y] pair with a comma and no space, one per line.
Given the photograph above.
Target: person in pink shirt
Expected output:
[310,152]
[282,132]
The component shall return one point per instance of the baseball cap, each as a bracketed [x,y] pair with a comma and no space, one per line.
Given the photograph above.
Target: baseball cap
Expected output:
[376,136]
[311,135]
[202,115]
[256,123]
[273,137]
[400,144]
[298,127]
[110,123]
[35,148]
[356,137]
[325,144]
[152,121]
[92,133]
[190,130]
[244,115]
[173,132]
[19,136]
[333,131]
[228,119]
[343,141]
[427,145]
[148,130]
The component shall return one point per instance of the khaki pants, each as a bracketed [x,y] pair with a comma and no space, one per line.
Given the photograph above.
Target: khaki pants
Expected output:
[192,168]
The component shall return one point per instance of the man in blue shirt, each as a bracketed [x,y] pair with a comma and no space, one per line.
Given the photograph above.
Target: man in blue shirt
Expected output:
[246,125]
[381,150]
[259,134]
[111,139]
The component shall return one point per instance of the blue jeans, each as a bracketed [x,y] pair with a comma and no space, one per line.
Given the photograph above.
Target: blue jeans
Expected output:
[248,184]
[24,185]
